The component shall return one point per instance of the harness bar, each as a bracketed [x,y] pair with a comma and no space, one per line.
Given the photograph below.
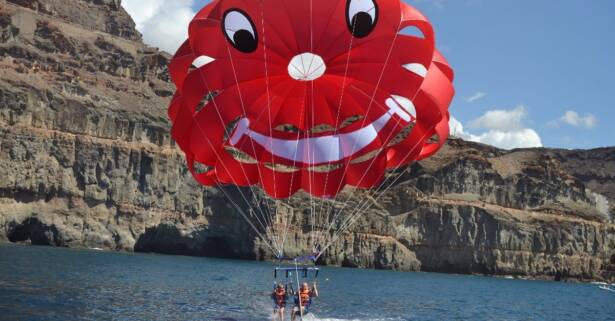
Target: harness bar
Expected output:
[288,271]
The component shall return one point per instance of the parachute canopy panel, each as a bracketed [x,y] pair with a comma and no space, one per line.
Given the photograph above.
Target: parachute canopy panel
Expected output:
[308,95]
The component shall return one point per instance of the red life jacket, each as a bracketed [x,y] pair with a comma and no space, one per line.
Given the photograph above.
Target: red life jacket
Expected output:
[280,297]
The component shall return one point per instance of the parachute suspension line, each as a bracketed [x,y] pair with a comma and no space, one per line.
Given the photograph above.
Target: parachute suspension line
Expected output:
[375,196]
[239,209]
[365,205]
[245,217]
[255,195]
[313,216]
[266,65]
[311,173]
[373,96]
[265,58]
[260,211]
[337,117]
[243,108]
[346,202]
[356,215]
[286,225]
[384,67]
[271,229]
[298,290]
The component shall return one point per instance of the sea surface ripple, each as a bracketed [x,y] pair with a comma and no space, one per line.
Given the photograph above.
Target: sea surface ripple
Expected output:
[42,283]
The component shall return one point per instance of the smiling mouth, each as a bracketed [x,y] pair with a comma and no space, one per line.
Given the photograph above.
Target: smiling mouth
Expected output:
[330,148]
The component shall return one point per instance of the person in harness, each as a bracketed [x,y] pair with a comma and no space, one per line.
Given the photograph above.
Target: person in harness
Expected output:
[303,300]
[279,297]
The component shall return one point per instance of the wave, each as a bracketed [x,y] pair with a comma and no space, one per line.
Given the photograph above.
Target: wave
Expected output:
[607,288]
[313,317]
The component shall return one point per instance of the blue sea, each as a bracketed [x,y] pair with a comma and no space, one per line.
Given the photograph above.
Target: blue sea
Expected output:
[41,283]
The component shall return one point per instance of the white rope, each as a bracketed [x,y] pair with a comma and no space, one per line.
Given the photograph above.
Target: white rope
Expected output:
[273,234]
[265,57]
[232,200]
[338,112]
[226,169]
[291,183]
[386,63]
[310,173]
[346,202]
[255,194]
[298,290]
[365,205]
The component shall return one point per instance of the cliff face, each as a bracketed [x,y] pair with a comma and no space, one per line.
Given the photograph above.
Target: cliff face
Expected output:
[86,161]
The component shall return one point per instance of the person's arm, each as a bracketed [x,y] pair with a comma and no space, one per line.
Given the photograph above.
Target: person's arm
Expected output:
[314,290]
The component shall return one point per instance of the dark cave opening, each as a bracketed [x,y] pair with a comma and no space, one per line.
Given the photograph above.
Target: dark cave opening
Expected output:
[34,231]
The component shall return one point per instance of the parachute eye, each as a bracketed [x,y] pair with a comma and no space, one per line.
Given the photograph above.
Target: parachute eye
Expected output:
[240,31]
[361,16]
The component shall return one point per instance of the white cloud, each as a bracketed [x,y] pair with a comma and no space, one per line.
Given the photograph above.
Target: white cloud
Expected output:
[477,96]
[573,118]
[500,119]
[163,23]
[457,129]
[503,129]
[523,138]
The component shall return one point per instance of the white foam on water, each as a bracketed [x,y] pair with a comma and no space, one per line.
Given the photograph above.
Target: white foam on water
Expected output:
[607,288]
[313,317]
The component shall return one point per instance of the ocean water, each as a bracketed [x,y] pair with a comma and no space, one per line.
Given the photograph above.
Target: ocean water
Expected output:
[39,283]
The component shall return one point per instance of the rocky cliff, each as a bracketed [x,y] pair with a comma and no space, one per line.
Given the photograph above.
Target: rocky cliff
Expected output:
[86,161]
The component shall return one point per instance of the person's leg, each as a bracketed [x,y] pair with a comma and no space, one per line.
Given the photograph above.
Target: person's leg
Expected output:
[281,313]
[297,312]
[293,314]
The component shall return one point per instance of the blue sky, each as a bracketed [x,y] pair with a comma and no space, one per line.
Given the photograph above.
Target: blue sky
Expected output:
[528,73]
[548,56]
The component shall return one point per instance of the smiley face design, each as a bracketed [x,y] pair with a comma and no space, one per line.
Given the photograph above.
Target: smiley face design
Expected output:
[308,95]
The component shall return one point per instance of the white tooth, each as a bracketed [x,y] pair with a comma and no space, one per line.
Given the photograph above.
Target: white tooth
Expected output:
[395,109]
[418,69]
[406,103]
[242,128]
[202,61]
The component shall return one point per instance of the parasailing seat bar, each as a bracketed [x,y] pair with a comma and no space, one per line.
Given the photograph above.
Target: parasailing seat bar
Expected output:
[287,271]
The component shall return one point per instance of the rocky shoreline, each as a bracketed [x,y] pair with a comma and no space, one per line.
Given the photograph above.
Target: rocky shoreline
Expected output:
[86,161]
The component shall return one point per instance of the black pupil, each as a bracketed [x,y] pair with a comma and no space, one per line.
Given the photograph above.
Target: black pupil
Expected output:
[244,41]
[362,24]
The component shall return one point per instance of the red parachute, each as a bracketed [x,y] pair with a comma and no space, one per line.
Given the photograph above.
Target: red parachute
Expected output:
[308,95]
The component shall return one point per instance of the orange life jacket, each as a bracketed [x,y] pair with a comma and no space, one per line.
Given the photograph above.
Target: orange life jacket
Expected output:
[305,295]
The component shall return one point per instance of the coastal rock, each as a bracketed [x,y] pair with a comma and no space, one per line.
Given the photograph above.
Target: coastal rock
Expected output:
[94,15]
[86,160]
[8,31]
